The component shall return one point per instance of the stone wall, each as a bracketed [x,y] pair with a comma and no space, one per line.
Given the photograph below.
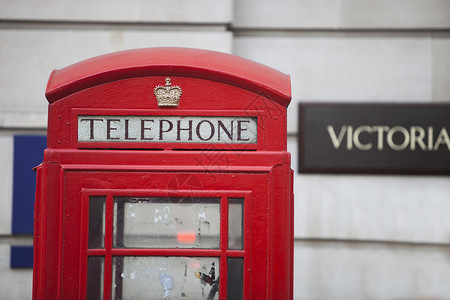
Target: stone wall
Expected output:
[356,237]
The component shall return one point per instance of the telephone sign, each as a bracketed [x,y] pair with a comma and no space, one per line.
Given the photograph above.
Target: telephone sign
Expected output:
[168,129]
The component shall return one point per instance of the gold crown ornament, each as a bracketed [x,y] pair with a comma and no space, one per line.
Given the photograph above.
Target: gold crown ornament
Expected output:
[168,95]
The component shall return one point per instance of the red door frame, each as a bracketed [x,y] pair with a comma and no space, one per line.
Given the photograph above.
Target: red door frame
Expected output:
[255,186]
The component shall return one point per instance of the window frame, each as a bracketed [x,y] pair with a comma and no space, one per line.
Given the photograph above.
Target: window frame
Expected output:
[108,252]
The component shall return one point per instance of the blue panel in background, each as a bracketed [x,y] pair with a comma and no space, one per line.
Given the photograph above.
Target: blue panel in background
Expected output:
[28,153]
[21,257]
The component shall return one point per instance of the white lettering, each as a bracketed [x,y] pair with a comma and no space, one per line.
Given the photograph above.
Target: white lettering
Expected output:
[417,138]
[390,139]
[349,138]
[336,140]
[380,130]
[430,138]
[356,140]
[442,137]
[397,138]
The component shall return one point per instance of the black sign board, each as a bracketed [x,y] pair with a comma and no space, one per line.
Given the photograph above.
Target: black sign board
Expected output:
[374,138]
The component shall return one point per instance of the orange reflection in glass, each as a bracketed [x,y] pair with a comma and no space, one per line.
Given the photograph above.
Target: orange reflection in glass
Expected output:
[186,237]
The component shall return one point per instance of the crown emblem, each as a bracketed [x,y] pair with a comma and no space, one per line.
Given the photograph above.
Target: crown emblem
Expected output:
[167,95]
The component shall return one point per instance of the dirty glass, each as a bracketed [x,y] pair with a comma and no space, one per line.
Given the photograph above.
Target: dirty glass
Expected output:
[158,277]
[166,222]
[235,282]
[96,222]
[95,271]
[235,223]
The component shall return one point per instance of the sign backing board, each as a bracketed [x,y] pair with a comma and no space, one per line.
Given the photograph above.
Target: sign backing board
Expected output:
[167,129]
[374,138]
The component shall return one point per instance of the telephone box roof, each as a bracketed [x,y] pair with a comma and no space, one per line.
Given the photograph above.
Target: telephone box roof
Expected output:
[226,68]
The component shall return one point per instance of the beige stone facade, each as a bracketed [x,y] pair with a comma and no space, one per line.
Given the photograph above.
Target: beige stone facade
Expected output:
[356,237]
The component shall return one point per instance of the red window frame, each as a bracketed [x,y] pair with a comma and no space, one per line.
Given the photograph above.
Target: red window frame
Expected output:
[108,252]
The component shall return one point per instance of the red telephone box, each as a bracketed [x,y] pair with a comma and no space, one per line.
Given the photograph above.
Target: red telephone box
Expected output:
[166,177]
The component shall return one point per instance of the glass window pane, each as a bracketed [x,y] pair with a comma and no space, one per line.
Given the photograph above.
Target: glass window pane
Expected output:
[235,223]
[159,222]
[96,222]
[157,277]
[95,271]
[235,282]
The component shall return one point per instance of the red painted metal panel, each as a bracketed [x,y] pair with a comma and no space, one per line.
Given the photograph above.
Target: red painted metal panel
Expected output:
[263,225]
[37,241]
[200,97]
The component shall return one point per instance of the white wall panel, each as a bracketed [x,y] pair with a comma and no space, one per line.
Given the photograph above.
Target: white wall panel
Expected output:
[394,14]
[210,11]
[370,207]
[441,68]
[350,67]
[292,147]
[29,56]
[6,181]
[286,14]
[14,284]
[336,14]
[342,271]
[386,208]
[409,63]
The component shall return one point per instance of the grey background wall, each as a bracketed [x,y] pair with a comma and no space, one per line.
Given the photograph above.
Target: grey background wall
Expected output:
[356,237]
